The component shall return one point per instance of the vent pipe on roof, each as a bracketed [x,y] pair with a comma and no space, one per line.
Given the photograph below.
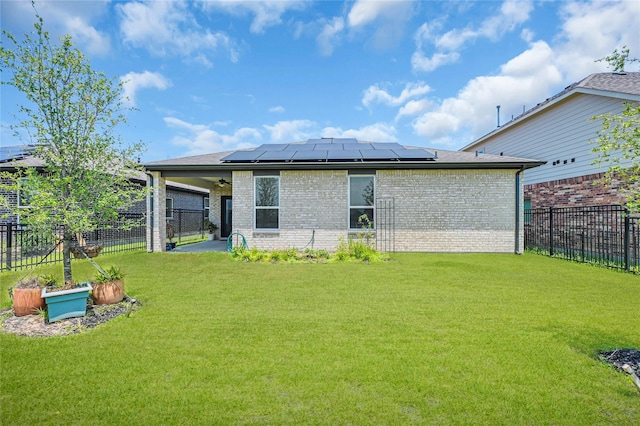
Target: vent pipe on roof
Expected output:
[498,108]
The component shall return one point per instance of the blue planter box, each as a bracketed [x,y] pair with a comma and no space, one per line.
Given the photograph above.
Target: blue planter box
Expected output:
[67,303]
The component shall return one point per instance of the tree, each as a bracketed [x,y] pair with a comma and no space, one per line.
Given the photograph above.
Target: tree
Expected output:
[70,115]
[618,141]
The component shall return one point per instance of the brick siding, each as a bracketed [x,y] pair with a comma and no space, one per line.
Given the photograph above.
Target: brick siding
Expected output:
[435,210]
[574,192]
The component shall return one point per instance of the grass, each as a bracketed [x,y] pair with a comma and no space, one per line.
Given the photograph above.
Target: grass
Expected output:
[423,338]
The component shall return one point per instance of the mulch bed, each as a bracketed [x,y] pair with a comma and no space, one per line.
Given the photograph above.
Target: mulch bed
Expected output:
[36,326]
[621,357]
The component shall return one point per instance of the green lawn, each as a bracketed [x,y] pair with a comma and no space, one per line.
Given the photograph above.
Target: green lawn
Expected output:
[423,338]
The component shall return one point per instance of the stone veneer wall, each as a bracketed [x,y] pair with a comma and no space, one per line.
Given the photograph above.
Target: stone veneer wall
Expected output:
[573,192]
[435,210]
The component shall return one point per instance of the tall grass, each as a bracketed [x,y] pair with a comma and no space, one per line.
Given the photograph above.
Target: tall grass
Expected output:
[422,338]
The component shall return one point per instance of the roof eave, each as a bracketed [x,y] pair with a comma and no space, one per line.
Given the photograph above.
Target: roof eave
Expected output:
[538,109]
[351,165]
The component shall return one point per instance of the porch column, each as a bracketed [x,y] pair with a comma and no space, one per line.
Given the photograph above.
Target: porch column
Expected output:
[156,212]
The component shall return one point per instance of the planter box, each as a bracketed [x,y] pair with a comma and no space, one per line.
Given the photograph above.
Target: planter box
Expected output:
[67,303]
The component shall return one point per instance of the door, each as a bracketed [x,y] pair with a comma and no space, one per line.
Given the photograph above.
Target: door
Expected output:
[226,224]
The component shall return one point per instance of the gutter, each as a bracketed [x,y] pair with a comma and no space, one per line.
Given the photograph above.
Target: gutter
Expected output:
[184,170]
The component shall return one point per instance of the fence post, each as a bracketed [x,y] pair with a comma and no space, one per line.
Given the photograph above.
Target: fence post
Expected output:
[179,224]
[9,244]
[627,241]
[550,231]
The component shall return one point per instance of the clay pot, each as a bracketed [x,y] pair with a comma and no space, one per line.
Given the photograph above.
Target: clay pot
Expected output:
[27,301]
[108,293]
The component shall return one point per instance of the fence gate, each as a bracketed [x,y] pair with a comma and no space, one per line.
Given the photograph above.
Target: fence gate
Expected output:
[385,225]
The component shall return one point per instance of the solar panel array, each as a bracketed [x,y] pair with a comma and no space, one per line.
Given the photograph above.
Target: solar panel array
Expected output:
[9,153]
[328,150]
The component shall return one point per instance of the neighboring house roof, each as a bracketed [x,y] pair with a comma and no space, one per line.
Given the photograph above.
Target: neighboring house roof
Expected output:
[12,157]
[339,153]
[624,86]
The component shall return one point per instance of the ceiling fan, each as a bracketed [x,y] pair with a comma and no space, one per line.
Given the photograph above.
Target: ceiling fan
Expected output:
[223,182]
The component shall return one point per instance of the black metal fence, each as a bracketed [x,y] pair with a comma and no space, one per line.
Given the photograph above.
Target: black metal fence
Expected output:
[606,235]
[22,248]
[186,223]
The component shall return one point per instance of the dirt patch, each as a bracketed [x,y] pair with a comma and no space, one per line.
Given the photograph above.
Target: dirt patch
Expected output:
[36,326]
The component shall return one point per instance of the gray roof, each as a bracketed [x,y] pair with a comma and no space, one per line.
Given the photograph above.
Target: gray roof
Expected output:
[19,156]
[444,159]
[613,82]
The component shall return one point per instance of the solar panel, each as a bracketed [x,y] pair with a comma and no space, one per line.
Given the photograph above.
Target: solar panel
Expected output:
[277,155]
[241,156]
[308,155]
[335,147]
[348,140]
[345,155]
[414,154]
[8,153]
[300,147]
[272,146]
[330,149]
[379,154]
[386,145]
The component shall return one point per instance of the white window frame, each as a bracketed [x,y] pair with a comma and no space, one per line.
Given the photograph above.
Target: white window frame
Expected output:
[167,209]
[205,207]
[372,207]
[20,196]
[255,203]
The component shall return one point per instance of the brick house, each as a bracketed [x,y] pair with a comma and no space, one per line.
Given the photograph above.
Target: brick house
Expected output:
[178,195]
[559,131]
[288,195]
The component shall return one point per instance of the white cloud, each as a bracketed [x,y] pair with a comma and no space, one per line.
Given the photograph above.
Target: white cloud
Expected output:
[591,31]
[419,62]
[447,45]
[292,131]
[201,139]
[63,18]
[169,28]
[330,35]
[378,132]
[413,108]
[388,16]
[375,94]
[522,81]
[277,109]
[267,13]
[133,81]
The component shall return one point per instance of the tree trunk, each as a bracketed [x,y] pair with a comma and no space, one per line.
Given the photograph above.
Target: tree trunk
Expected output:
[67,238]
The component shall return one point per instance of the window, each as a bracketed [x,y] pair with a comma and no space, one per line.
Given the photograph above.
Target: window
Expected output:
[527,210]
[205,207]
[169,206]
[24,196]
[267,202]
[361,200]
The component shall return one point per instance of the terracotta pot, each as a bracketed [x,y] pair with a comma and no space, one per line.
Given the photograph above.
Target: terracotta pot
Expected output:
[27,301]
[108,293]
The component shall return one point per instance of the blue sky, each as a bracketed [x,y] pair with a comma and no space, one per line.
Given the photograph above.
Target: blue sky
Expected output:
[211,76]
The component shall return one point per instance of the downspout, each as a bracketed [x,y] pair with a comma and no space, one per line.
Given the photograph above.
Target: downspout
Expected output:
[517,247]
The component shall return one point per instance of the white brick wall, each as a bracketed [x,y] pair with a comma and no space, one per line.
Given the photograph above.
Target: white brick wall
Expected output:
[435,210]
